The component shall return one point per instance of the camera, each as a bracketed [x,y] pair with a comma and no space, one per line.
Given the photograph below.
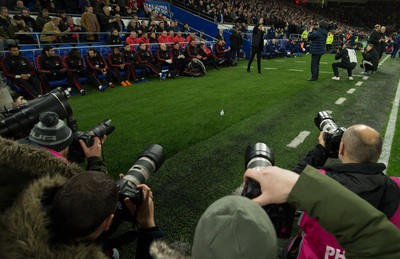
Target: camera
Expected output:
[75,153]
[258,157]
[333,133]
[148,162]
[20,120]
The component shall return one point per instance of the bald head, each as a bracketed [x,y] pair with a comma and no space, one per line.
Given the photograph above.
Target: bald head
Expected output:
[362,144]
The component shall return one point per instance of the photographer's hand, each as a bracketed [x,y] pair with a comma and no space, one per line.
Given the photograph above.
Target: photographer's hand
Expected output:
[276,184]
[321,139]
[95,149]
[145,212]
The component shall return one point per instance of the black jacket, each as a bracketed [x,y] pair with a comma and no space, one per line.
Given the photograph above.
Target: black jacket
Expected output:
[373,57]
[236,40]
[374,38]
[344,56]
[50,65]
[96,63]
[365,179]
[318,41]
[13,66]
[74,63]
[257,40]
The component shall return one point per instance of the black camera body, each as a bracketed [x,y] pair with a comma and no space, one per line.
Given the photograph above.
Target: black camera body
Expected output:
[148,162]
[258,157]
[75,153]
[332,133]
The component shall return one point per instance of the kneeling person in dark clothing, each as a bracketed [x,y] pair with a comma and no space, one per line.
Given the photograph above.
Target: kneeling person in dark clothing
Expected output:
[22,73]
[348,61]
[370,59]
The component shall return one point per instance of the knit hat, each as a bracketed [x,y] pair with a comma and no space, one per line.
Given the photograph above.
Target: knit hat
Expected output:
[51,132]
[235,227]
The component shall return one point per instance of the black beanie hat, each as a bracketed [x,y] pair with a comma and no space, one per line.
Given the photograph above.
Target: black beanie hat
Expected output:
[51,132]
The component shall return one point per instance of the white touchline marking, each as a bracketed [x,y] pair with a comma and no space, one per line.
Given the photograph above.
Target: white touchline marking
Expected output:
[390,129]
[270,68]
[357,75]
[340,100]
[297,61]
[324,63]
[359,83]
[365,77]
[280,61]
[296,70]
[351,91]
[325,72]
[380,63]
[299,139]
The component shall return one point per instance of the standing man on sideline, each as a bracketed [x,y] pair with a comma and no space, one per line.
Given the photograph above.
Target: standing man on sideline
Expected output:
[257,44]
[317,47]
[90,23]
[21,72]
[348,61]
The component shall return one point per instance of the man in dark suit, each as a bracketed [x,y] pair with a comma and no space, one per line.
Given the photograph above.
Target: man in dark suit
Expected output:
[257,44]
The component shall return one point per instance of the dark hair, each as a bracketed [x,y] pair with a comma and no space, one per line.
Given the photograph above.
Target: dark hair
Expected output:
[47,48]
[82,204]
[11,46]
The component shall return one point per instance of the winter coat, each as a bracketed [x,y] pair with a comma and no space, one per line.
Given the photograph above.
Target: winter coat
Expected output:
[24,221]
[318,41]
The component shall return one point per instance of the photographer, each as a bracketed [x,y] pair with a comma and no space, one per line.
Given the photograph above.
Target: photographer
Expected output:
[317,47]
[370,60]
[348,61]
[68,209]
[359,151]
[236,227]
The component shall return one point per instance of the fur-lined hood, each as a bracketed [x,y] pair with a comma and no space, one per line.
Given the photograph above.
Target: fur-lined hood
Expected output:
[26,172]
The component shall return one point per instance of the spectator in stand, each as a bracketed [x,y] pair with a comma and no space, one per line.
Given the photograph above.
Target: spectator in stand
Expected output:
[106,19]
[51,33]
[133,25]
[396,45]
[370,59]
[21,72]
[97,65]
[76,66]
[163,38]
[132,39]
[114,38]
[51,67]
[116,62]
[130,61]
[74,28]
[164,60]
[223,54]
[29,21]
[236,43]
[144,39]
[180,39]
[143,26]
[145,60]
[119,24]
[42,19]
[153,38]
[191,37]
[178,58]
[171,37]
[207,57]
[5,19]
[19,5]
[18,26]
[186,28]
[90,23]
[220,35]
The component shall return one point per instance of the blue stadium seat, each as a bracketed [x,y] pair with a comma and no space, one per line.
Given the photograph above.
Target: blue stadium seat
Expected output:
[64,49]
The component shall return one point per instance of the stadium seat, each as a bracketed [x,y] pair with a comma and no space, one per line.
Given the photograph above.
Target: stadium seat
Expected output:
[64,49]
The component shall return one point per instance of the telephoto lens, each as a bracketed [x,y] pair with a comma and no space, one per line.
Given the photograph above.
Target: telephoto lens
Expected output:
[325,122]
[258,157]
[149,161]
